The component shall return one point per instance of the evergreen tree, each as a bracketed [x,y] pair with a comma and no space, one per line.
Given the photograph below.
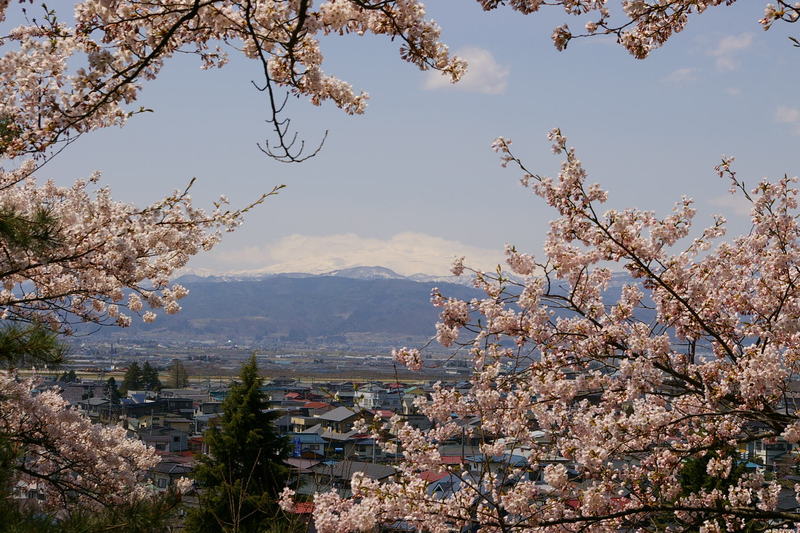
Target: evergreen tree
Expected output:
[178,377]
[29,345]
[133,379]
[694,474]
[150,379]
[68,377]
[244,473]
[112,391]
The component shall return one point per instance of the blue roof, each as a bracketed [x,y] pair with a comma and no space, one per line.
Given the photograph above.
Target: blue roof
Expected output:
[138,397]
[306,438]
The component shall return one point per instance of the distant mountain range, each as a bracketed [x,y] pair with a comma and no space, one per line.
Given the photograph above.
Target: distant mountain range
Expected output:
[355,308]
[362,308]
[359,272]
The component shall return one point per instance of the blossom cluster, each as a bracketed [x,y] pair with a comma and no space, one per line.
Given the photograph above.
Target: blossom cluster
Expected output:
[104,258]
[62,79]
[637,350]
[640,26]
[97,261]
[70,460]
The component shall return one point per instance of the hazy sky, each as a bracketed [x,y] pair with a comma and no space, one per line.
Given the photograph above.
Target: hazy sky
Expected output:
[413,183]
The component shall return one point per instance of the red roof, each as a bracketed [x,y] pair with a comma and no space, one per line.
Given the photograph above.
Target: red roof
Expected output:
[316,405]
[303,508]
[573,502]
[452,459]
[430,476]
[384,413]
[291,395]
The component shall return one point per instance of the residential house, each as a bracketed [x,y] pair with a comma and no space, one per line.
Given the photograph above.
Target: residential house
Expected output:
[770,452]
[169,470]
[183,424]
[341,419]
[375,396]
[94,407]
[495,463]
[300,423]
[309,445]
[75,391]
[337,476]
[315,409]
[165,439]
[341,445]
[202,422]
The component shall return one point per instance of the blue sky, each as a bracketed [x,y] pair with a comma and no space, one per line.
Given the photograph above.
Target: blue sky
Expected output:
[413,183]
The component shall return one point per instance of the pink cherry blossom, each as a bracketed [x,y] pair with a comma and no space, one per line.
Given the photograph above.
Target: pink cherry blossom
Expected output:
[635,346]
[72,461]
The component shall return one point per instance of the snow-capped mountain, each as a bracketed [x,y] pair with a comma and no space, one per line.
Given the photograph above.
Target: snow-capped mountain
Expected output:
[358,272]
[365,272]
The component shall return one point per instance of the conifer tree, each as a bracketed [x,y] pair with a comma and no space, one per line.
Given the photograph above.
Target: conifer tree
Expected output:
[178,377]
[150,379]
[112,391]
[33,343]
[133,379]
[68,376]
[29,345]
[244,473]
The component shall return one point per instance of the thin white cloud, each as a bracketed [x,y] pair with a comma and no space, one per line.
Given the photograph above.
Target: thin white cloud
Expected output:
[789,115]
[729,49]
[733,91]
[681,75]
[484,74]
[733,203]
[405,253]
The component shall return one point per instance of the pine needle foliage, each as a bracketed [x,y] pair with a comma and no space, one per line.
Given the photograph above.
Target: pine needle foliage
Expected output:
[241,478]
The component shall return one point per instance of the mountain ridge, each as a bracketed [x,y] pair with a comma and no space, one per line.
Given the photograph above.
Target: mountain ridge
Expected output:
[357,272]
[367,308]
[362,308]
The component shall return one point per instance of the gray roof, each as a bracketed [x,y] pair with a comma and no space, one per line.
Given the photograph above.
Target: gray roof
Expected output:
[516,461]
[283,420]
[159,430]
[302,465]
[346,469]
[97,401]
[449,485]
[341,437]
[172,468]
[339,414]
